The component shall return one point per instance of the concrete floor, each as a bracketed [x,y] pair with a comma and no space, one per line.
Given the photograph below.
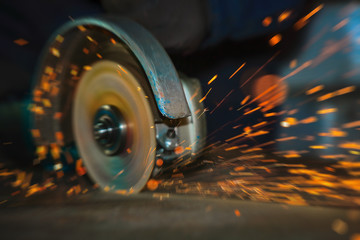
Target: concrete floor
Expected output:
[108,216]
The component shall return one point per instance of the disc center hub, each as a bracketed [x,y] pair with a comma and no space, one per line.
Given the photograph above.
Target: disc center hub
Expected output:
[109,130]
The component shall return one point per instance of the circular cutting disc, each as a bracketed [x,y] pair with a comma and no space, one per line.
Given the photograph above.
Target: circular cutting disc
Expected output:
[109,84]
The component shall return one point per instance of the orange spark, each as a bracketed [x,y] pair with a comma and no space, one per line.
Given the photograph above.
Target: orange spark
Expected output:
[340,24]
[284,15]
[337,93]
[303,21]
[354,152]
[325,97]
[87,67]
[81,28]
[270,114]
[285,139]
[21,42]
[329,169]
[327,110]
[59,136]
[91,39]
[313,12]
[293,63]
[266,144]
[334,132]
[80,170]
[350,145]
[48,70]
[292,112]
[197,111]
[233,138]
[318,147]
[338,156]
[159,162]
[57,115]
[245,100]
[212,79]
[45,86]
[201,100]
[54,90]
[179,150]
[55,151]
[35,133]
[290,121]
[247,130]
[297,70]
[73,72]
[237,212]
[112,41]
[86,51]
[232,148]
[251,111]
[258,133]
[38,110]
[152,184]
[292,155]
[351,124]
[41,152]
[267,21]
[195,94]
[178,175]
[59,38]
[237,70]
[122,69]
[238,169]
[251,150]
[55,52]
[259,124]
[46,102]
[269,160]
[314,89]
[275,40]
[345,90]
[308,120]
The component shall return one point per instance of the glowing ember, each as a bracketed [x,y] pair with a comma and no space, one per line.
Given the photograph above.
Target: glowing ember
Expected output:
[21,42]
[275,40]
[237,70]
[284,15]
[55,52]
[212,79]
[267,21]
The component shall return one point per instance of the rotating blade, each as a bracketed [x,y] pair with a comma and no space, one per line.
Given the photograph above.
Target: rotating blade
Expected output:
[127,168]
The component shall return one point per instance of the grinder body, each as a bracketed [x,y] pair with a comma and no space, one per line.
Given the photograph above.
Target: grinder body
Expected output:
[107,88]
